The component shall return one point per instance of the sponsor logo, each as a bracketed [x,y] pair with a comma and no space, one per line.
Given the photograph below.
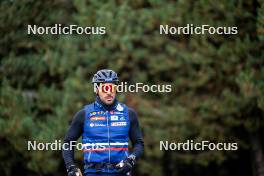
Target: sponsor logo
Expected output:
[92,113]
[99,113]
[119,107]
[97,125]
[118,113]
[118,124]
[97,118]
[114,117]
[122,118]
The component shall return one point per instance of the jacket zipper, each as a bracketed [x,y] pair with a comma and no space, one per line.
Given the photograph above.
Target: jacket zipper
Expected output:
[108,137]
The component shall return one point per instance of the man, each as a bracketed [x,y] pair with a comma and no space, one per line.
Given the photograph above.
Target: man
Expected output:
[106,127]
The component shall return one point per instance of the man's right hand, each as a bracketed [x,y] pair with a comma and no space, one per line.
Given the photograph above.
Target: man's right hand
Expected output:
[74,171]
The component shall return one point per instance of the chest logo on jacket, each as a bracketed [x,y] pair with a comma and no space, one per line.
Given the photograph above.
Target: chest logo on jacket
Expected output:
[94,118]
[114,117]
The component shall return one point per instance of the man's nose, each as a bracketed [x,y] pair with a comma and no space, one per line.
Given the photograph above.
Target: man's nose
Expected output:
[109,93]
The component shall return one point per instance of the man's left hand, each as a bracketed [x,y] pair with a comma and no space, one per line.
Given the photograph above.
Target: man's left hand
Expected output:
[126,165]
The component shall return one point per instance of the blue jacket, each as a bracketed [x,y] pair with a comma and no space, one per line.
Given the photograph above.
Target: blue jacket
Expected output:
[105,131]
[106,134]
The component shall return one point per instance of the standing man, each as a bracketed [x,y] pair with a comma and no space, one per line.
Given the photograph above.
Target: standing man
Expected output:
[106,127]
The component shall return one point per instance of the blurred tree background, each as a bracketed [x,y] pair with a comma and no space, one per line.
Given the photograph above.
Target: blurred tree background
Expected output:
[217,80]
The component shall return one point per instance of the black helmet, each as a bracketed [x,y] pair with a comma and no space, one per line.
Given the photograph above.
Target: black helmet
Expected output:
[105,76]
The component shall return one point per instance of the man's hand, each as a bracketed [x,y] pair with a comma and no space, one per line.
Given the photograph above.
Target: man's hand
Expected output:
[126,165]
[74,171]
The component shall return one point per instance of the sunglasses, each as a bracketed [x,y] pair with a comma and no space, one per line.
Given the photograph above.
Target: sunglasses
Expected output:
[107,88]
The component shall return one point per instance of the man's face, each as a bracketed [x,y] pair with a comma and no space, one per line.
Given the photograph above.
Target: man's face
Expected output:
[107,93]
